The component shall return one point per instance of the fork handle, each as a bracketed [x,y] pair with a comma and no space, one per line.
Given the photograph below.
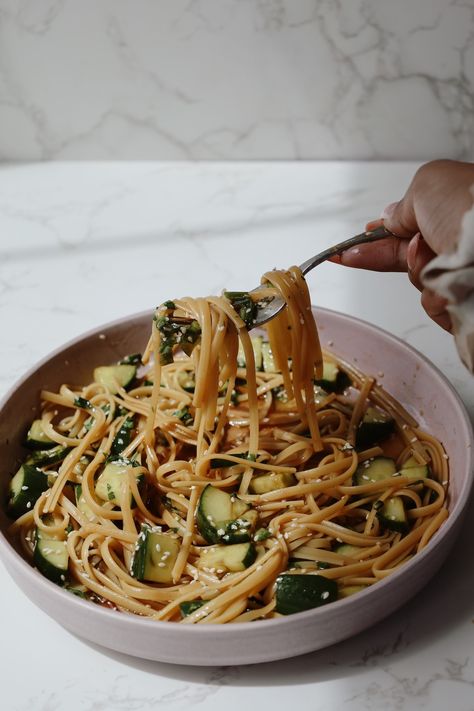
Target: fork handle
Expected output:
[370,236]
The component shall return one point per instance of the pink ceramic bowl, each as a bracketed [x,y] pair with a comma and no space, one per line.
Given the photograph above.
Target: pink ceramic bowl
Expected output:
[411,378]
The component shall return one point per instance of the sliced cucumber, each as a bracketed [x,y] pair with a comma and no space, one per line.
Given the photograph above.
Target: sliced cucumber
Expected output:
[268,360]
[222,517]
[36,437]
[187,607]
[111,482]
[124,436]
[413,469]
[48,456]
[154,556]
[25,489]
[348,550]
[392,515]
[82,504]
[298,592]
[373,470]
[228,558]
[257,353]
[334,380]
[264,483]
[303,565]
[51,557]
[78,590]
[112,376]
[375,426]
[187,380]
[217,463]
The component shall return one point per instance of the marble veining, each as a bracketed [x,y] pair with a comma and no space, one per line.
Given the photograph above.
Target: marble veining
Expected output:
[200,79]
[84,243]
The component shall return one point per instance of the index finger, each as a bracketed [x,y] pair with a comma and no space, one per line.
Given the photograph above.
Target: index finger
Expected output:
[385,255]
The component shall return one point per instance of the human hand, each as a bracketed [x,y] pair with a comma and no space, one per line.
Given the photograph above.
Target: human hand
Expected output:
[428,221]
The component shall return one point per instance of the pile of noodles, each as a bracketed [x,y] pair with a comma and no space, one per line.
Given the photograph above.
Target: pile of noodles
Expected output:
[233,410]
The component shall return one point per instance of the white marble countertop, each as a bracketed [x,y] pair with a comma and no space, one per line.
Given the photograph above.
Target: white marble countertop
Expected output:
[84,243]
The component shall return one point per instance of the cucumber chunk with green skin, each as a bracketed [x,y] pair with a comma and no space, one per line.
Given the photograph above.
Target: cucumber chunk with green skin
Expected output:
[48,456]
[374,427]
[414,470]
[232,559]
[25,488]
[154,556]
[124,435]
[224,518]
[273,481]
[334,380]
[187,607]
[375,469]
[217,463]
[36,437]
[392,515]
[51,557]
[257,342]
[299,592]
[113,376]
[112,482]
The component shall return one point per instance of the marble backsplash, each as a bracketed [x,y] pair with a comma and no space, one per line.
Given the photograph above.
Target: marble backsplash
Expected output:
[236,79]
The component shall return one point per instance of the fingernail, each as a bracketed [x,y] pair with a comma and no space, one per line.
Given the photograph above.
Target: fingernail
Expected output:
[388,210]
[412,252]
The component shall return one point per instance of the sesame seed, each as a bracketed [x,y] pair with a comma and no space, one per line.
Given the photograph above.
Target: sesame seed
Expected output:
[324,595]
[161,565]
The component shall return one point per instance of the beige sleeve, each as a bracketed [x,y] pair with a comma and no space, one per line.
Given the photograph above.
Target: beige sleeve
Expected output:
[452,276]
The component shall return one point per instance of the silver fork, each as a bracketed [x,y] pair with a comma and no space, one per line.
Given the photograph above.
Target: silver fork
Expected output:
[268,307]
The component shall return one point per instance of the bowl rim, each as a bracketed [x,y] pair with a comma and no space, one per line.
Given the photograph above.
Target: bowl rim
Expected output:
[11,557]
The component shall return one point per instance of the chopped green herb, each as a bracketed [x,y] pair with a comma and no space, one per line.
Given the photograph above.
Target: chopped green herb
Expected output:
[261,535]
[184,415]
[244,305]
[83,403]
[133,359]
[123,437]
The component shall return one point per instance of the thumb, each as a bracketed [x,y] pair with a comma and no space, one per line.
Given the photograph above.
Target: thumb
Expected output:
[399,217]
